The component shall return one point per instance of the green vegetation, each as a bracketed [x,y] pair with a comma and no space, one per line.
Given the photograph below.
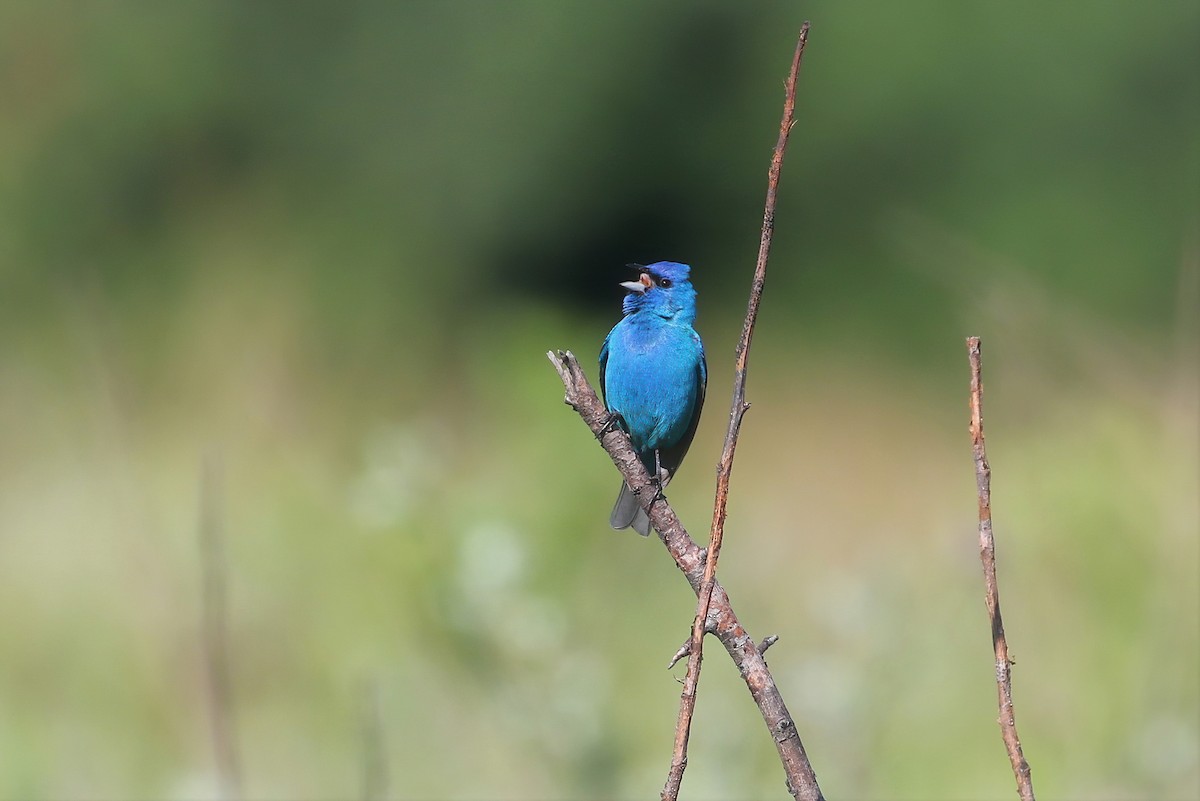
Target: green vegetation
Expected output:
[329,244]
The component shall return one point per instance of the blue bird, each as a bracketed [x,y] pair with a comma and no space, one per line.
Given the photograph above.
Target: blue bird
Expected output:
[653,377]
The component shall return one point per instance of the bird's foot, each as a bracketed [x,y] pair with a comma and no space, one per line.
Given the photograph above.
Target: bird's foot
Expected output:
[658,493]
[657,486]
[658,481]
[612,421]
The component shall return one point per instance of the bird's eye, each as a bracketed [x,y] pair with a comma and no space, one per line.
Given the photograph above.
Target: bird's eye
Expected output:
[665,283]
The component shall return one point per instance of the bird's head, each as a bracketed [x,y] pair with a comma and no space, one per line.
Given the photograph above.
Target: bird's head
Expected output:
[662,289]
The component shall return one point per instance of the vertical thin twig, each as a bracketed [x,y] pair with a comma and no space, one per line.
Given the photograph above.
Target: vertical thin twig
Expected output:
[987,554]
[216,635]
[687,701]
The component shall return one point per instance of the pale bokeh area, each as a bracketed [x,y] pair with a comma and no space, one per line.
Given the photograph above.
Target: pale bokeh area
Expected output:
[325,248]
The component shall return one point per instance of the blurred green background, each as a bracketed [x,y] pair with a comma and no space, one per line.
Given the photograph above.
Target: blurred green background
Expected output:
[325,247]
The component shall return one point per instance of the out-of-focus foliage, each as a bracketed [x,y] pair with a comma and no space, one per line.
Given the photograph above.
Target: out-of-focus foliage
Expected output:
[327,244]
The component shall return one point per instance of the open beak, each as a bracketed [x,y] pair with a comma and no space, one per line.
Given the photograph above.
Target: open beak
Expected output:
[643,283]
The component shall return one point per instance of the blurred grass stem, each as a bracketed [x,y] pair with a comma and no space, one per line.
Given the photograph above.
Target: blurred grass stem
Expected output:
[375,774]
[987,554]
[216,633]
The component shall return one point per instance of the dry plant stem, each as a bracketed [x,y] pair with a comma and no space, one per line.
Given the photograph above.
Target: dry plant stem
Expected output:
[690,558]
[987,554]
[687,701]
[216,635]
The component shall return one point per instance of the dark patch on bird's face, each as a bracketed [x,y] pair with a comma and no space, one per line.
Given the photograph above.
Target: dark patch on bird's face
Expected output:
[650,278]
[659,279]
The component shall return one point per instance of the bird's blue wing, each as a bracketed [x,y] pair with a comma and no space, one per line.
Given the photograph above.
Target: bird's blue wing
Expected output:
[603,367]
[671,457]
[628,509]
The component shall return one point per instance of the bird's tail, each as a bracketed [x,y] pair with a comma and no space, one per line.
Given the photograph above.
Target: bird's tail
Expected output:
[627,512]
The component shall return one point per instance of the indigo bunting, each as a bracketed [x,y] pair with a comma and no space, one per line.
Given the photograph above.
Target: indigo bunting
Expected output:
[653,376]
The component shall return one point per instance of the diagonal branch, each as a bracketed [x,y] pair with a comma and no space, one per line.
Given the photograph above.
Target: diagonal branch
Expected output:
[737,410]
[721,620]
[987,554]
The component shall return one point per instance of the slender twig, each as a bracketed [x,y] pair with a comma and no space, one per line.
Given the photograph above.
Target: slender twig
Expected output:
[737,410]
[682,653]
[767,643]
[688,556]
[216,634]
[987,554]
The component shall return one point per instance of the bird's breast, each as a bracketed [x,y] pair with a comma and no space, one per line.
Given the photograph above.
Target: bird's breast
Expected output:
[651,380]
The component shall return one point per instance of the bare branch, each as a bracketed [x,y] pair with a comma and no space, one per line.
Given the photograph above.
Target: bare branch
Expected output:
[690,558]
[987,554]
[737,410]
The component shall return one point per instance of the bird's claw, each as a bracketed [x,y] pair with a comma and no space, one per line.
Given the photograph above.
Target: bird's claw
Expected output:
[658,493]
[611,422]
